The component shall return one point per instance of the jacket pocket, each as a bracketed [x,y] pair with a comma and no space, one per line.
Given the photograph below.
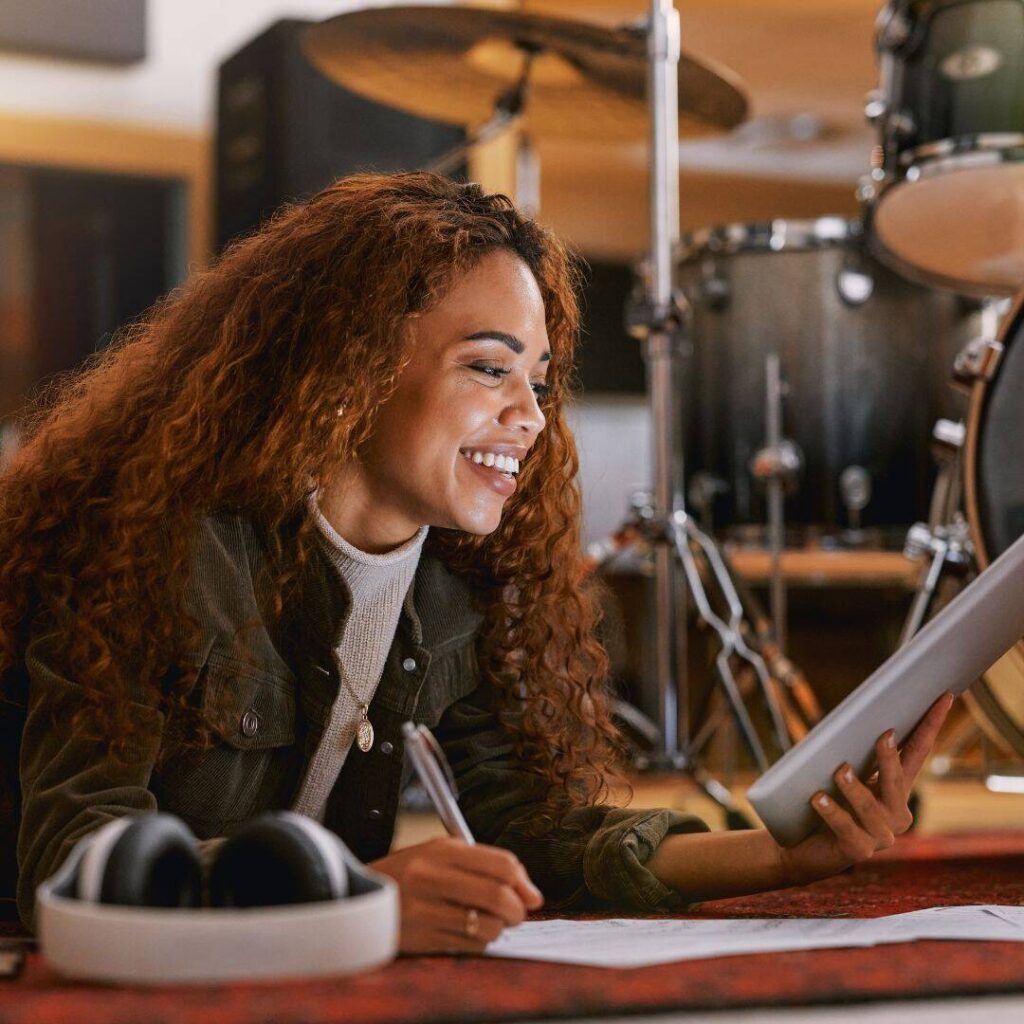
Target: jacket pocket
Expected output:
[254,763]
[250,709]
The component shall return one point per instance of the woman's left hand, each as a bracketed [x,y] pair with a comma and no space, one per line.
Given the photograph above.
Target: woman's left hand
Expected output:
[877,812]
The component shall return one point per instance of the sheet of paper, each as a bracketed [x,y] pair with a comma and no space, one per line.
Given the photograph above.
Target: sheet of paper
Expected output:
[630,942]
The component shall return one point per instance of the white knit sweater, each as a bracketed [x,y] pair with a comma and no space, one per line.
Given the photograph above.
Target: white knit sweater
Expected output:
[378,585]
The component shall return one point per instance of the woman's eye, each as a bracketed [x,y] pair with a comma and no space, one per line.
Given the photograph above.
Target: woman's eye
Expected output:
[540,389]
[497,372]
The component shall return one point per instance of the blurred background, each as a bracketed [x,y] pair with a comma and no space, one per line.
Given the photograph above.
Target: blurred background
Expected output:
[138,137]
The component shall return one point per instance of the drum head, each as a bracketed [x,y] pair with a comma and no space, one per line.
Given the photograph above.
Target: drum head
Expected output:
[994,485]
[961,227]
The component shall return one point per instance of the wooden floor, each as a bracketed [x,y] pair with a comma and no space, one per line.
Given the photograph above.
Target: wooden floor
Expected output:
[947,805]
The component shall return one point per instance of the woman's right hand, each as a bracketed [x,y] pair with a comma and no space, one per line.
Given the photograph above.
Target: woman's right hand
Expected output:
[457,898]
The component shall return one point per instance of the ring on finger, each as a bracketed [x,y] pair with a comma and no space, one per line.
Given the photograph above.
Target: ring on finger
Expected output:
[472,925]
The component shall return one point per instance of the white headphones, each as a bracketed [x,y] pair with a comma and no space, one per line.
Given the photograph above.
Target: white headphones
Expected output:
[284,898]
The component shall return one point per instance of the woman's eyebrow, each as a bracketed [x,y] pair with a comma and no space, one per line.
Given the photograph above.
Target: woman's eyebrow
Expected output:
[506,339]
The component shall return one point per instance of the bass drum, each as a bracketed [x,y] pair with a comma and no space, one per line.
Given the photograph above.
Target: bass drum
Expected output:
[994,499]
[865,356]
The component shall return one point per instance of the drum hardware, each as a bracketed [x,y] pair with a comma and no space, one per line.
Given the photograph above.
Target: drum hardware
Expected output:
[944,539]
[793,694]
[508,109]
[950,126]
[855,490]
[737,637]
[703,489]
[949,548]
[527,176]
[854,285]
[688,538]
[778,465]
[978,361]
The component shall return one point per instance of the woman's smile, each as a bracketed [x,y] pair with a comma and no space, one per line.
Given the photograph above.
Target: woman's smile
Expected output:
[488,470]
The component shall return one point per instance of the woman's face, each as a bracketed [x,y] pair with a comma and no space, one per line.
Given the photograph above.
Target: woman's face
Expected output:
[467,399]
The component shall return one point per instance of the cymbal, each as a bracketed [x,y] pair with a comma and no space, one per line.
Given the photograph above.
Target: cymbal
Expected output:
[450,63]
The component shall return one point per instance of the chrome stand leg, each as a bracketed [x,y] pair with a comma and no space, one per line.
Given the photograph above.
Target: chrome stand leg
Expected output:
[686,533]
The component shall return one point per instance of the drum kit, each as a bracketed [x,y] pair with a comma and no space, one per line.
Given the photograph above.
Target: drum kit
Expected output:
[831,327]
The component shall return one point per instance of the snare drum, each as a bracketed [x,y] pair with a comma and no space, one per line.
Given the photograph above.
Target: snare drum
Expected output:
[994,499]
[946,197]
[865,355]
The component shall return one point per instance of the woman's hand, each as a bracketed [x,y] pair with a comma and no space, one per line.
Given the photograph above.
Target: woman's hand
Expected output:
[457,898]
[877,813]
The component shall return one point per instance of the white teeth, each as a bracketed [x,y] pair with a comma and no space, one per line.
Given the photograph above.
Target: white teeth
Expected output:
[502,463]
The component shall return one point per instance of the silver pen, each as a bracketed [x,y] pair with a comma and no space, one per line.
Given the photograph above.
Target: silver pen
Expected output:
[436,775]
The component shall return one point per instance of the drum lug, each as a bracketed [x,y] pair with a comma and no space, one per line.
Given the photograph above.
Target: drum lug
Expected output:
[947,439]
[892,29]
[784,461]
[642,318]
[876,106]
[867,190]
[902,123]
[977,361]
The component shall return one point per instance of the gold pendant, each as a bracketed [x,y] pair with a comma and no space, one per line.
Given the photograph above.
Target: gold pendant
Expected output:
[364,735]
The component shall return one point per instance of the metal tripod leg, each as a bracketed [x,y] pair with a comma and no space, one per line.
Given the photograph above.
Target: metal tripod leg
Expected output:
[685,531]
[944,537]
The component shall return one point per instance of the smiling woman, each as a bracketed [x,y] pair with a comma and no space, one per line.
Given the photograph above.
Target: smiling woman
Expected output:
[325,487]
[466,403]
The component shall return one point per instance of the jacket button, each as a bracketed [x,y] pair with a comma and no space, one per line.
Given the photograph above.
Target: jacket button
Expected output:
[374,815]
[250,723]
[387,747]
[409,664]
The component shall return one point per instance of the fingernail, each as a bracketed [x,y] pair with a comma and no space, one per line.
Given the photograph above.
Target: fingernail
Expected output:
[890,739]
[847,774]
[822,800]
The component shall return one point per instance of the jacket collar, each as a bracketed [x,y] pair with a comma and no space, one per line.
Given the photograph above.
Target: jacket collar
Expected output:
[438,607]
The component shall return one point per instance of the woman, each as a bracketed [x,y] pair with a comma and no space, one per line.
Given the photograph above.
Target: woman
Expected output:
[325,487]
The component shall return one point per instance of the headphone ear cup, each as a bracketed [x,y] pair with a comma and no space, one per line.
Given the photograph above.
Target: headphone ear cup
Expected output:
[275,859]
[145,861]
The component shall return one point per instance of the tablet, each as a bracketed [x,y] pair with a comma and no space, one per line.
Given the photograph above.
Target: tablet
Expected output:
[956,647]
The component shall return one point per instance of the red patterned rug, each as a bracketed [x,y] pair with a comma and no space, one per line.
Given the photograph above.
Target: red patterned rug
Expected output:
[919,872]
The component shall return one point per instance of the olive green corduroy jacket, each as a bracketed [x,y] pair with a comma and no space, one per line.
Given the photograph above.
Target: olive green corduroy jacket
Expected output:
[274,695]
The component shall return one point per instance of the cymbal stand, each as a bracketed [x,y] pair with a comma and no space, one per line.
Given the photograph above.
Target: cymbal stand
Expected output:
[660,321]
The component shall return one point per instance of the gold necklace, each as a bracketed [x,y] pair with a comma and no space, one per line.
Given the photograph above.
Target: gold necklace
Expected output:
[364,731]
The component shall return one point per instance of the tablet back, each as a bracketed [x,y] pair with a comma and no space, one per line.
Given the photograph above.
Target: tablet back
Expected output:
[961,643]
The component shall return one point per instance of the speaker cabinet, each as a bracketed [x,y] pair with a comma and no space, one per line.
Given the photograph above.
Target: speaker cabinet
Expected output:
[285,131]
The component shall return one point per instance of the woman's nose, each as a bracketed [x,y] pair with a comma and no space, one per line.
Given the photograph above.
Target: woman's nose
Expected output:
[524,412]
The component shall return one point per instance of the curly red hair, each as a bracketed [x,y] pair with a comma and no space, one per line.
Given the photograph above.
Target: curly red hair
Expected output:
[225,398]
